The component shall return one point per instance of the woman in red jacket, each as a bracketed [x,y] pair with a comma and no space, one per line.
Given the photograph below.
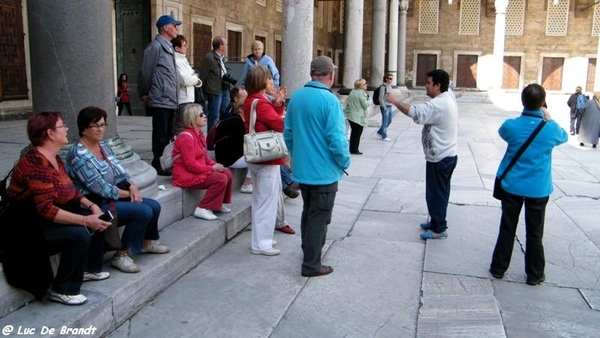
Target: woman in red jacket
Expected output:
[266,178]
[123,93]
[193,168]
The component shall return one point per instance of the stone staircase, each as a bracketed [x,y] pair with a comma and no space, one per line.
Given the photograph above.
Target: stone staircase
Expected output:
[113,301]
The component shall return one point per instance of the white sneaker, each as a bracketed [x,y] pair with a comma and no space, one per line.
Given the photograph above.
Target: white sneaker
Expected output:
[246,188]
[267,252]
[204,214]
[273,242]
[125,264]
[225,210]
[387,139]
[67,299]
[94,276]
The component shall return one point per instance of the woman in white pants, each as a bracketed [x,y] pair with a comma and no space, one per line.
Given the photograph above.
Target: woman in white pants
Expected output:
[266,178]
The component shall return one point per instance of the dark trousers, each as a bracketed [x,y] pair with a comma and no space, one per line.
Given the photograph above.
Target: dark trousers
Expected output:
[162,130]
[316,216]
[127,105]
[575,122]
[535,212]
[356,131]
[79,252]
[286,177]
[140,220]
[437,191]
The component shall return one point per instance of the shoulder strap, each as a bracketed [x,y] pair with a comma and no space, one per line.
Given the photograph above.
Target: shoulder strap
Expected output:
[522,149]
[252,116]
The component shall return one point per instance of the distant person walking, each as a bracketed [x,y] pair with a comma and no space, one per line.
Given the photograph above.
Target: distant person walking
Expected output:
[385,107]
[439,118]
[123,93]
[590,122]
[356,113]
[315,133]
[528,182]
[158,86]
[575,117]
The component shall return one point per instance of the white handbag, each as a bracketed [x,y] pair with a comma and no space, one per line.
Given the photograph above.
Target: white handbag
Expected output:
[264,146]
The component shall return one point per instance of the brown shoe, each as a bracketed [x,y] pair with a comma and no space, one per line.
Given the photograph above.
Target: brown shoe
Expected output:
[323,270]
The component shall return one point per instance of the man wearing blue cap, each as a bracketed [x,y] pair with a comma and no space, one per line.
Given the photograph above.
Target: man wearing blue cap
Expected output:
[158,86]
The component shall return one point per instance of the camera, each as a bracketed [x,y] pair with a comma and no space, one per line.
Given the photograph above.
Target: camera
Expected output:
[229,80]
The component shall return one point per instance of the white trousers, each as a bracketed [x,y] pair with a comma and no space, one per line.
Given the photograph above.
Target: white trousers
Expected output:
[266,193]
[241,164]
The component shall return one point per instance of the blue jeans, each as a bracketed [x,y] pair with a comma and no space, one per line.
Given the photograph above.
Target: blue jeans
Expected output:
[140,220]
[162,130]
[79,252]
[216,105]
[286,177]
[386,120]
[437,191]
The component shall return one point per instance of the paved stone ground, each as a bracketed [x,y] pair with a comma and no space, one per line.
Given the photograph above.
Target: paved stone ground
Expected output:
[387,282]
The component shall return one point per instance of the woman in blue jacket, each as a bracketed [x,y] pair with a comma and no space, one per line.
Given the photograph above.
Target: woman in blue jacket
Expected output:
[529,181]
[258,57]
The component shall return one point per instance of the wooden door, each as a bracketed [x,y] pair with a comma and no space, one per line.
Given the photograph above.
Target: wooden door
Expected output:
[425,63]
[340,70]
[234,46]
[511,72]
[552,73]
[13,72]
[591,74]
[466,71]
[202,42]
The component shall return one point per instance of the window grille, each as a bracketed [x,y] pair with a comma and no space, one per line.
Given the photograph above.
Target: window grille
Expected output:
[470,11]
[320,14]
[262,2]
[429,16]
[596,24]
[557,19]
[279,6]
[515,17]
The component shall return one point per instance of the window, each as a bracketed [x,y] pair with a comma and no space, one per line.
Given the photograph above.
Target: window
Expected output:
[557,18]
[515,17]
[428,16]
[234,46]
[469,17]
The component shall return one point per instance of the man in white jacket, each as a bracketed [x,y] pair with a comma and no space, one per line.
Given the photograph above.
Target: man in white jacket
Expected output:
[188,79]
[439,117]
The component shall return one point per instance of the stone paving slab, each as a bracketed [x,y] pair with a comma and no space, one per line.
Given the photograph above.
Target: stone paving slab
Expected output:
[545,311]
[458,306]
[592,297]
[362,298]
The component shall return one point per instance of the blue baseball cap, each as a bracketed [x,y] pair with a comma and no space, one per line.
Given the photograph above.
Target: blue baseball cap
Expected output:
[166,20]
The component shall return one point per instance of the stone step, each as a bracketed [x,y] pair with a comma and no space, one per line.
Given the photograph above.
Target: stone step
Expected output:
[112,301]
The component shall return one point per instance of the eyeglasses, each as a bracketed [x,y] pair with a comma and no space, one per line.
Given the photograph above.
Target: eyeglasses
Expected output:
[201,115]
[97,126]
[63,126]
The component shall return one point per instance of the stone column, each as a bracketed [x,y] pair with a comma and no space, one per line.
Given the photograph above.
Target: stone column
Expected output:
[499,32]
[353,42]
[378,42]
[297,41]
[393,40]
[71,48]
[401,80]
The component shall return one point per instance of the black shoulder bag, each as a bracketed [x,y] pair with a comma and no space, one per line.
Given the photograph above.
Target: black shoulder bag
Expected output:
[498,191]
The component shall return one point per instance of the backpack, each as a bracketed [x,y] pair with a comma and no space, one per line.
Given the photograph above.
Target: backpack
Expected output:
[166,160]
[376,96]
[581,101]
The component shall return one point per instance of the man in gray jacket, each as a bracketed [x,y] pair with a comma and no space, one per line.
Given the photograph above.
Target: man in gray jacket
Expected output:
[158,86]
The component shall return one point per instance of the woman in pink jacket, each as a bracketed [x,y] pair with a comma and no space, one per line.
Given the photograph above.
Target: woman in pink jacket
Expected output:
[193,168]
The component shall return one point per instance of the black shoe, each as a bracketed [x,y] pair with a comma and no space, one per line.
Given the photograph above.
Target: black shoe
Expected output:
[356,153]
[581,144]
[496,274]
[536,281]
[291,192]
[593,146]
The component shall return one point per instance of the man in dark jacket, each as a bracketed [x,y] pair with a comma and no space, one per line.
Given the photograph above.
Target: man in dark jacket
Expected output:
[158,86]
[572,103]
[211,73]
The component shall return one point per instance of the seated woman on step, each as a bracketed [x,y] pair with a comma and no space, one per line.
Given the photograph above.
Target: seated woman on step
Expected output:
[101,178]
[193,168]
[63,220]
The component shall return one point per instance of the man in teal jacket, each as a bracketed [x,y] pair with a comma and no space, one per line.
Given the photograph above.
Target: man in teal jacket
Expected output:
[315,134]
[529,181]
